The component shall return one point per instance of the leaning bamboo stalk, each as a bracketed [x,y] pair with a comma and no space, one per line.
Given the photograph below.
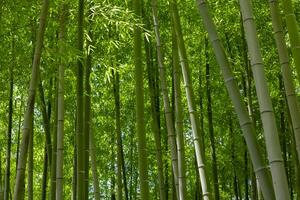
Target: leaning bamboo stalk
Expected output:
[244,120]
[286,72]
[293,31]
[155,121]
[20,179]
[190,100]
[167,109]
[265,104]
[178,120]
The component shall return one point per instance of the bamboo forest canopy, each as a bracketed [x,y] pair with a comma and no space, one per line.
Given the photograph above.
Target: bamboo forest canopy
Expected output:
[149,99]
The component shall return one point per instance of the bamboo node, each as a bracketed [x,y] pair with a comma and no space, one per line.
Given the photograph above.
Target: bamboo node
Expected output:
[256,64]
[259,169]
[247,19]
[201,166]
[278,160]
[229,79]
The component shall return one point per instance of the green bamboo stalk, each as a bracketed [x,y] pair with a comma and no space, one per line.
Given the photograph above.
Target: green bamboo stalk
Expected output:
[179,120]
[116,87]
[9,129]
[87,111]
[61,108]
[80,189]
[30,164]
[20,179]
[54,143]
[167,109]
[266,109]
[240,109]
[286,72]
[210,125]
[155,120]
[191,102]
[46,122]
[140,124]
[45,174]
[92,146]
[94,166]
[293,31]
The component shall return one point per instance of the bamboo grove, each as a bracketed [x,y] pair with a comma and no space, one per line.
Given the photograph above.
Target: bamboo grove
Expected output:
[148,99]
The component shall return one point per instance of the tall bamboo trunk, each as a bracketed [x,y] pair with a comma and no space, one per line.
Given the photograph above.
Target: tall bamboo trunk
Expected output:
[245,91]
[155,121]
[249,94]
[140,124]
[198,192]
[240,109]
[74,174]
[116,87]
[30,163]
[80,189]
[201,108]
[166,167]
[112,168]
[191,102]
[167,109]
[120,142]
[48,143]
[286,72]
[132,192]
[54,143]
[19,131]
[45,174]
[266,109]
[94,166]
[178,120]
[9,131]
[246,169]
[87,109]
[88,127]
[292,28]
[292,155]
[20,179]
[233,159]
[46,121]
[282,124]
[60,108]
[210,124]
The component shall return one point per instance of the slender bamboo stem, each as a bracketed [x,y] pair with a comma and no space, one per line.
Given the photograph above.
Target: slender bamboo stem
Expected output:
[286,72]
[167,109]
[191,102]
[20,179]
[292,28]
[60,108]
[179,120]
[80,189]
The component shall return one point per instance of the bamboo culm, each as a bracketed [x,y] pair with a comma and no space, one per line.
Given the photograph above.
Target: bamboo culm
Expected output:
[286,72]
[191,104]
[166,101]
[265,104]
[20,178]
[240,109]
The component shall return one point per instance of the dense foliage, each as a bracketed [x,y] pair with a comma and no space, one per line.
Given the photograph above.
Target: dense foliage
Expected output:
[119,58]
